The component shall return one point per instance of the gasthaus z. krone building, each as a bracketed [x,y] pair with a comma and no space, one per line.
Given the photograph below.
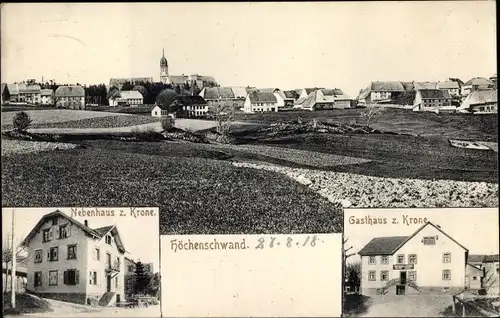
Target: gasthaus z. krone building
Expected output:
[428,260]
[70,261]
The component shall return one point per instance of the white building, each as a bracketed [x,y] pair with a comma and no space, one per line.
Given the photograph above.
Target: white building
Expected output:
[476,83]
[481,102]
[427,260]
[71,261]
[127,98]
[72,97]
[159,111]
[321,99]
[257,102]
[452,87]
[46,97]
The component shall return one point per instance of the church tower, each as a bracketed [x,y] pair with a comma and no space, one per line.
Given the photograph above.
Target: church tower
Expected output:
[164,69]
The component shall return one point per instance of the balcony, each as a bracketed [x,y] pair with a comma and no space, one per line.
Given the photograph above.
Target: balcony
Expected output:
[112,269]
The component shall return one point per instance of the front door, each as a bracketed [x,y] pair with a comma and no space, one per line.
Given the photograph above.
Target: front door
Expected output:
[402,278]
[108,283]
[400,289]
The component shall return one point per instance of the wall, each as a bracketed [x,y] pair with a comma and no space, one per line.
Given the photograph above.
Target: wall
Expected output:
[492,279]
[77,236]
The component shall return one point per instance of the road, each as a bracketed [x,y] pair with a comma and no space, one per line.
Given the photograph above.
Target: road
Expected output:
[419,305]
[189,124]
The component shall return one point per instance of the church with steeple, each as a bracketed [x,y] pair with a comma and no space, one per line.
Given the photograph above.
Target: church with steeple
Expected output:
[193,79]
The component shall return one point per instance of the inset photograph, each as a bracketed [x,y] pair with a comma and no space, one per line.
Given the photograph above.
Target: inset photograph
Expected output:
[81,262]
[421,262]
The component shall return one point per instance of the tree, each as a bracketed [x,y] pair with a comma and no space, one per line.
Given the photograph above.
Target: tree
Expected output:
[166,98]
[353,275]
[223,114]
[153,287]
[113,92]
[21,121]
[141,89]
[177,108]
[127,86]
[370,112]
[141,279]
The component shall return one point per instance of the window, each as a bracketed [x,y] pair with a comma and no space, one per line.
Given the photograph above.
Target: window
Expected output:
[71,251]
[47,235]
[38,256]
[412,275]
[446,274]
[96,254]
[372,260]
[71,277]
[429,240]
[108,239]
[446,257]
[412,259]
[385,259]
[63,231]
[401,259]
[53,278]
[156,113]
[53,254]
[93,278]
[54,221]
[147,269]
[38,279]
[371,276]
[384,275]
[474,278]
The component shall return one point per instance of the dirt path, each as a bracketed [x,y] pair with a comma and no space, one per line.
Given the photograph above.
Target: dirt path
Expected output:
[408,306]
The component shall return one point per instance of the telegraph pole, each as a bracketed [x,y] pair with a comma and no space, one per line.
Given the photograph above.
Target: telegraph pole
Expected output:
[13,277]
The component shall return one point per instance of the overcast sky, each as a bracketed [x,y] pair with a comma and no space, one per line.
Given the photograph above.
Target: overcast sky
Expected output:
[285,45]
[140,238]
[474,228]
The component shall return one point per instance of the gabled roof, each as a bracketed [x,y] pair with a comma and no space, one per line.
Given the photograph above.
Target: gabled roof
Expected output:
[46,92]
[481,258]
[261,97]
[70,91]
[35,88]
[408,86]
[133,80]
[481,97]
[217,93]
[97,233]
[387,86]
[479,81]
[178,79]
[130,94]
[239,92]
[191,100]
[434,94]
[291,94]
[332,92]
[448,85]
[391,244]
[425,85]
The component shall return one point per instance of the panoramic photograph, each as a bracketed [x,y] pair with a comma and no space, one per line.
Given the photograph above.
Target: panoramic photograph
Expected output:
[80,262]
[421,263]
[250,128]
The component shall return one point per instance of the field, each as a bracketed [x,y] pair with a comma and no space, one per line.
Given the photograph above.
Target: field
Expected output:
[267,182]
[195,195]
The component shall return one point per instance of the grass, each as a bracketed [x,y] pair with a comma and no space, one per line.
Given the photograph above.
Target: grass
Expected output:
[355,305]
[111,121]
[27,304]
[50,116]
[455,126]
[194,195]
[397,156]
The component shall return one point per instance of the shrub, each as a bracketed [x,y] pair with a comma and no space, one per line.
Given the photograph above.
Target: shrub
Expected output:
[21,121]
[167,123]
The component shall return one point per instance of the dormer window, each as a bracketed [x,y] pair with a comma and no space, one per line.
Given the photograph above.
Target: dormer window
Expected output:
[429,240]
[108,239]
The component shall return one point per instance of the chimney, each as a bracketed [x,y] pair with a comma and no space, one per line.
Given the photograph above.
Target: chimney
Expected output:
[86,223]
[439,226]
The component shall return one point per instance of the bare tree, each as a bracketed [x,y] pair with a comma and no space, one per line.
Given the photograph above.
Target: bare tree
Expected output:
[370,112]
[223,114]
[352,271]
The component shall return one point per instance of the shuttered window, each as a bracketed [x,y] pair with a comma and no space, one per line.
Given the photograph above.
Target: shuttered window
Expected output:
[71,277]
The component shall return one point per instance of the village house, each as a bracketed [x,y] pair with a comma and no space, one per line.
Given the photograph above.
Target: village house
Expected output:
[476,84]
[222,97]
[14,91]
[493,79]
[47,97]
[383,92]
[324,99]
[20,275]
[429,260]
[257,101]
[481,102]
[452,87]
[72,97]
[70,261]
[31,94]
[192,106]
[126,98]
[160,111]
[490,270]
[431,100]
[474,276]
[282,99]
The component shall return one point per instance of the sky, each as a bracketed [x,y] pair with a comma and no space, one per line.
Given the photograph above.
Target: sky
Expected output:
[474,228]
[135,237]
[286,45]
